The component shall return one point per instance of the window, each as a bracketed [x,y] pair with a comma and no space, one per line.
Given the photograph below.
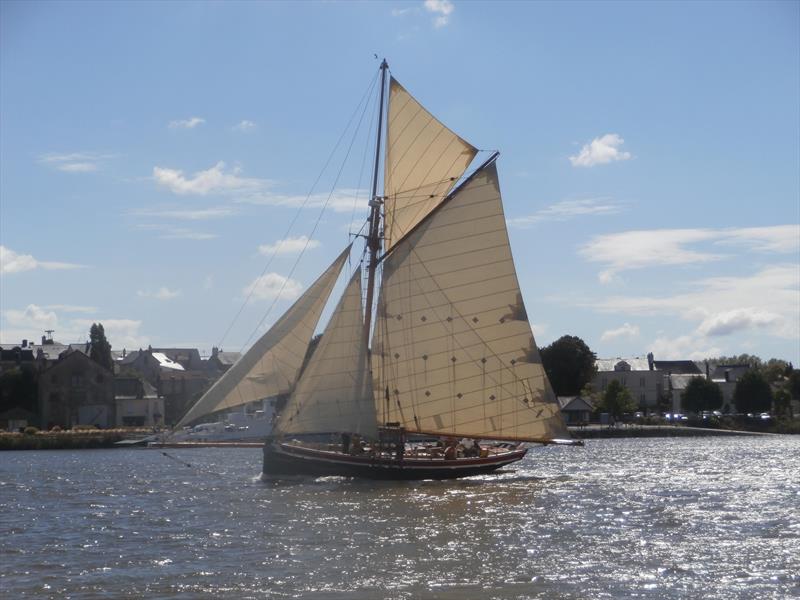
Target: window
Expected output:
[100,378]
[641,381]
[77,380]
[624,380]
[54,378]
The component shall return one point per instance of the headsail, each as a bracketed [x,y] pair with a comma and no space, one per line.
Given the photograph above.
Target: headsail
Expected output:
[453,351]
[424,159]
[334,392]
[270,367]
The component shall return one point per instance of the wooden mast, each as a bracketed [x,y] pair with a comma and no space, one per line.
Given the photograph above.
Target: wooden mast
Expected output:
[373,238]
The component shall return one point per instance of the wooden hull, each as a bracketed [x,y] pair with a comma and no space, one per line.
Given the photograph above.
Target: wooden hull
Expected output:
[290,459]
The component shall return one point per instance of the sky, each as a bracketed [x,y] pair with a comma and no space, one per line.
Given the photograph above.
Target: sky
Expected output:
[154,155]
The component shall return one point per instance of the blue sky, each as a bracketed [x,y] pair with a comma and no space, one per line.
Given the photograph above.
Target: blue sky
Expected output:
[151,153]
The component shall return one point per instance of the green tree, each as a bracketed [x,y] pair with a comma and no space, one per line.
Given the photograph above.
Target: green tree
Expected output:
[794,384]
[569,364]
[616,400]
[782,402]
[100,348]
[19,389]
[701,394]
[752,393]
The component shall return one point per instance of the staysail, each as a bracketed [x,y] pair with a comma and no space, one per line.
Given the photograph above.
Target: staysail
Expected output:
[424,160]
[334,392]
[270,367]
[453,351]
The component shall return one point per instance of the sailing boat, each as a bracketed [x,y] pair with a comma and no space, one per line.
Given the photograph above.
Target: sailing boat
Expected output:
[452,354]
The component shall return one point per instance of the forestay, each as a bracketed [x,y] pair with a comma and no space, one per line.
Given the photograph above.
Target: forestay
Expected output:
[424,159]
[334,392]
[453,351]
[270,367]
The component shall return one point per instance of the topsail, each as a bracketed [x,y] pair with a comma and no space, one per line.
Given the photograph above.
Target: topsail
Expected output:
[424,160]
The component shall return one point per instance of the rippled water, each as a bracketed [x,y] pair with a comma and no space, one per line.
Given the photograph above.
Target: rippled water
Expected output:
[633,518]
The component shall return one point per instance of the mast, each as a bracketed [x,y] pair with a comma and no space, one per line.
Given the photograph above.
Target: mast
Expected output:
[373,239]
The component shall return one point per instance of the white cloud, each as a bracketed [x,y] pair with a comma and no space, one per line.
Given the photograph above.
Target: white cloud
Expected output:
[627,330]
[30,322]
[163,293]
[684,347]
[75,162]
[167,232]
[288,246]
[600,151]
[658,247]
[186,214]
[121,333]
[33,317]
[646,248]
[244,126]
[12,262]
[767,300]
[776,238]
[568,209]
[189,123]
[273,285]
[442,8]
[399,12]
[730,321]
[71,308]
[214,180]
[341,201]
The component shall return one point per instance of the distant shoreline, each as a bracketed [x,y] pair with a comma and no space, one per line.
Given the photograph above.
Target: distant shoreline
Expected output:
[649,431]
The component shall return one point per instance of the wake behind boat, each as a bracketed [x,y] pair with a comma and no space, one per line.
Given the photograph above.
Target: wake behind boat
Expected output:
[452,353]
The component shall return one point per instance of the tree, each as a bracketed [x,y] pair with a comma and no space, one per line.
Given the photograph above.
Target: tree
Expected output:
[782,403]
[616,400]
[569,364]
[701,394]
[794,384]
[752,393]
[100,348]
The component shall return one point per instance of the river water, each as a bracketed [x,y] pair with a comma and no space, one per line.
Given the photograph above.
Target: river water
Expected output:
[625,518]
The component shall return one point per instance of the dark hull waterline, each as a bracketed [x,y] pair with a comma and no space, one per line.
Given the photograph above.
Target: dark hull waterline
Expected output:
[286,459]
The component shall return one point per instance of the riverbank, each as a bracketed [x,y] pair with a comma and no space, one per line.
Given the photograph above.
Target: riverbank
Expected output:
[66,440]
[650,431]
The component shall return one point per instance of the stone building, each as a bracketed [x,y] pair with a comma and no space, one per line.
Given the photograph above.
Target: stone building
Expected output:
[75,390]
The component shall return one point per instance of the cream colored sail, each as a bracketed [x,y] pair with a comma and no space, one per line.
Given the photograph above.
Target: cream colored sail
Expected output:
[334,392]
[270,367]
[424,159]
[453,351]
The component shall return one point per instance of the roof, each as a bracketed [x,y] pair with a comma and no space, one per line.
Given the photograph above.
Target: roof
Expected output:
[637,364]
[228,358]
[165,362]
[678,367]
[733,371]
[128,358]
[681,380]
[574,403]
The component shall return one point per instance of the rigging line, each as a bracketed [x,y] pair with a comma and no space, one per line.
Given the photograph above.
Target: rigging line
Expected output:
[364,100]
[319,218]
[367,146]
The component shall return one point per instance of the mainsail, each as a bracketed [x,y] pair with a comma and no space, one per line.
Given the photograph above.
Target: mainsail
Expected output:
[334,392]
[270,367]
[453,351]
[424,159]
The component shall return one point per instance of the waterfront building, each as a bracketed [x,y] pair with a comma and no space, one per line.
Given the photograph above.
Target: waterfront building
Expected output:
[76,390]
[647,379]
